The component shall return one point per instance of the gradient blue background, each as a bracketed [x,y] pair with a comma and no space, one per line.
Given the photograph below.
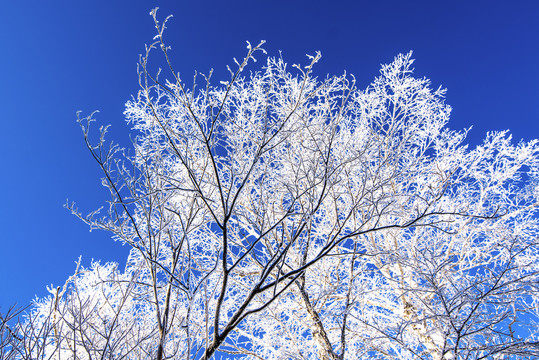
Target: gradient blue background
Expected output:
[58,57]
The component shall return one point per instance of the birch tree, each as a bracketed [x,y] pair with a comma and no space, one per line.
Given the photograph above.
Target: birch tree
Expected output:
[279,215]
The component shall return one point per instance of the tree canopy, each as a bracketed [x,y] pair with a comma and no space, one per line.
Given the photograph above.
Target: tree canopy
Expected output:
[279,215]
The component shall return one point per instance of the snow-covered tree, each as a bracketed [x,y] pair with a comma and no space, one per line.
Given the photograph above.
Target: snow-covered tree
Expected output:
[278,215]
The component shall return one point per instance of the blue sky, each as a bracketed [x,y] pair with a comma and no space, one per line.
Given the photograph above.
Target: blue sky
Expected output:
[58,57]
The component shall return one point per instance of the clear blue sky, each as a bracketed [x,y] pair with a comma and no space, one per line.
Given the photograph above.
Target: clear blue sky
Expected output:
[58,57]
